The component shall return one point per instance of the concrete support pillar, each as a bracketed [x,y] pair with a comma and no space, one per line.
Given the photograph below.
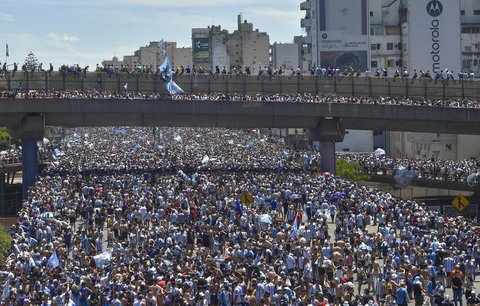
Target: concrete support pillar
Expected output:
[30,131]
[328,132]
[29,164]
[327,152]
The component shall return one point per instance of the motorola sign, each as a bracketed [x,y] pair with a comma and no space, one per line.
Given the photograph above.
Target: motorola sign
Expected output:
[439,23]
[324,36]
[434,8]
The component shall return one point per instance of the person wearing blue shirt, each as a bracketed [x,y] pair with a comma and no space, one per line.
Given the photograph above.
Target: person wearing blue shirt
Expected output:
[402,295]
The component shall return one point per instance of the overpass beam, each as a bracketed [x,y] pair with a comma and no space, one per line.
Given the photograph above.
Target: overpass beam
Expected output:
[328,132]
[30,131]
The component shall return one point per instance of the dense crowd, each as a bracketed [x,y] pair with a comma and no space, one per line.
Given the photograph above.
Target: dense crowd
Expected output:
[224,217]
[427,168]
[277,98]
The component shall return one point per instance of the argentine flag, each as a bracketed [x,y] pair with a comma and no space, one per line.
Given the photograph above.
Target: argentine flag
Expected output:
[6,289]
[53,262]
[295,228]
[173,88]
[103,258]
[166,67]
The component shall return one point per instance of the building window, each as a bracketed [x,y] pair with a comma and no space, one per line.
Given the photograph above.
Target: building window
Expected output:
[462,12]
[377,31]
[476,12]
[467,63]
[468,48]
[400,46]
[374,64]
[389,46]
[373,47]
[371,14]
[391,63]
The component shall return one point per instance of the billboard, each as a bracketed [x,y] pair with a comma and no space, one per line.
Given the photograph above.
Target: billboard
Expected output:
[344,59]
[200,49]
[343,39]
[434,35]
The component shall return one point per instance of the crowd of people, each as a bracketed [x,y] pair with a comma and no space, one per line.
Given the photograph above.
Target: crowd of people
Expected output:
[427,168]
[95,93]
[265,71]
[173,216]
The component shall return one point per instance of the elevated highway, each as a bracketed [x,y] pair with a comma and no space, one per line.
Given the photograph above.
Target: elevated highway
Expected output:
[186,113]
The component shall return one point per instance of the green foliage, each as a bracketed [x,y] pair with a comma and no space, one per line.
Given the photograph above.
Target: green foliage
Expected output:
[6,140]
[31,61]
[351,171]
[5,244]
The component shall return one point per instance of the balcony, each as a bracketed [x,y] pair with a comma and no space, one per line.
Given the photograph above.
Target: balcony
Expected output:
[305,6]
[306,23]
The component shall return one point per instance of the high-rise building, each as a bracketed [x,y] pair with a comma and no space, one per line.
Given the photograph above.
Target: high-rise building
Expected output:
[210,49]
[248,47]
[398,31]
[244,47]
[337,33]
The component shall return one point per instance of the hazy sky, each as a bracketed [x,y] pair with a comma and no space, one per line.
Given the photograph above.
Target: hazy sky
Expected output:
[86,32]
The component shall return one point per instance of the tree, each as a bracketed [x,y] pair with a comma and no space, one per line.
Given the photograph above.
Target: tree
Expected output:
[5,244]
[31,61]
[6,140]
[351,171]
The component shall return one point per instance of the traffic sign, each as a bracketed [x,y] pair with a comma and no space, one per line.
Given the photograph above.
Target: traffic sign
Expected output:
[460,202]
[246,198]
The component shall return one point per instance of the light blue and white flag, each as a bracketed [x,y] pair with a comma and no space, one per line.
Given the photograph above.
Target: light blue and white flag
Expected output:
[173,88]
[165,68]
[6,289]
[103,258]
[53,262]
[249,144]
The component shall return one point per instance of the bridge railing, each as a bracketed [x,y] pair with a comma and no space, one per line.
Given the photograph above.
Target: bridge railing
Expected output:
[242,84]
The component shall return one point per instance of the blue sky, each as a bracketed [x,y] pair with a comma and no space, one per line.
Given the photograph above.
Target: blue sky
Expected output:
[85,32]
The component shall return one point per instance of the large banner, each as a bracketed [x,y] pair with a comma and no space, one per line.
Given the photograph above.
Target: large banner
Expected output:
[434,35]
[343,40]
[201,49]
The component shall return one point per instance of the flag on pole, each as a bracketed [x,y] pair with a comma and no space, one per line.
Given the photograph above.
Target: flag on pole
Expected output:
[6,289]
[53,262]
[165,68]
[295,228]
[125,86]
[6,50]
